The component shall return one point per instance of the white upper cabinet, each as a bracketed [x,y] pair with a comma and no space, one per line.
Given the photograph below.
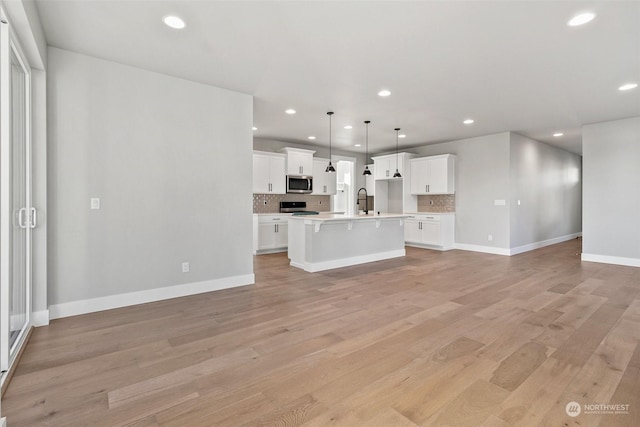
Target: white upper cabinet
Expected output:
[433,175]
[385,166]
[324,183]
[370,181]
[299,161]
[269,173]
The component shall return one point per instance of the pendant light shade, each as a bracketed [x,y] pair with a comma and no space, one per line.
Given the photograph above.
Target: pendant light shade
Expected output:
[366,151]
[397,174]
[330,167]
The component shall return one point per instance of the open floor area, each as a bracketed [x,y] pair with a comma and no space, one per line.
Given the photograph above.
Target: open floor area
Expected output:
[431,339]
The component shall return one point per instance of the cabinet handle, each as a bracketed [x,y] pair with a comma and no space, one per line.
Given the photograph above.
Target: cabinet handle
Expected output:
[300,169]
[426,188]
[276,228]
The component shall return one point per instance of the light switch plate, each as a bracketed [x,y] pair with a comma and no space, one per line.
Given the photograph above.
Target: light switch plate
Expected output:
[95,203]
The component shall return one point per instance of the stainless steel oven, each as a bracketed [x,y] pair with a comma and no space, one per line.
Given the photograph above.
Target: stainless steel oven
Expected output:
[299,184]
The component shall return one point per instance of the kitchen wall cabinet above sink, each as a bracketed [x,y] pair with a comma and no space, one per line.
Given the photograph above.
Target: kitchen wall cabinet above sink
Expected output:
[385,166]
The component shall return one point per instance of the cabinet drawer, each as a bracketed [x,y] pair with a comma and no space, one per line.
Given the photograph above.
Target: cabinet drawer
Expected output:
[273,219]
[428,218]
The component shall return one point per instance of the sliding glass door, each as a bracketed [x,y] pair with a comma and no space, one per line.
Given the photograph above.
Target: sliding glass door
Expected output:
[16,214]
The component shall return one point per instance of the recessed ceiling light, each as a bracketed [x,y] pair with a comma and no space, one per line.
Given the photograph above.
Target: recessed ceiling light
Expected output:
[468,121]
[290,111]
[173,22]
[581,19]
[558,134]
[628,86]
[384,92]
[357,145]
[311,137]
[402,135]
[348,127]
[255,128]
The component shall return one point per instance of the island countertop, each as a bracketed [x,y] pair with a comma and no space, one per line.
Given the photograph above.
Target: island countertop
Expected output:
[326,217]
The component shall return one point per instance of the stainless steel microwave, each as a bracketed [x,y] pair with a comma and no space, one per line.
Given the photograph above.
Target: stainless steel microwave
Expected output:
[299,184]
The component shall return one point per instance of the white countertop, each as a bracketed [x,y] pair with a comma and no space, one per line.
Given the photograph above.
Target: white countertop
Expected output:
[343,217]
[430,213]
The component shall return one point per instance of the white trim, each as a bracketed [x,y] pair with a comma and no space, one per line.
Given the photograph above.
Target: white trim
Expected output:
[314,267]
[428,246]
[486,249]
[537,245]
[132,298]
[40,318]
[3,422]
[606,259]
[517,250]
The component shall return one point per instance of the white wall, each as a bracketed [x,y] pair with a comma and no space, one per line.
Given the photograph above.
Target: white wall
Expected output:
[611,197]
[482,176]
[170,160]
[547,182]
[510,167]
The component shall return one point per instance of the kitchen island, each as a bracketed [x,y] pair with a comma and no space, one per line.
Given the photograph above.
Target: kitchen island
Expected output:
[326,241]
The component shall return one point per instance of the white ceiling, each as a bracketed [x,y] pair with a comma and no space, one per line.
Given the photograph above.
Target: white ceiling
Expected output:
[510,65]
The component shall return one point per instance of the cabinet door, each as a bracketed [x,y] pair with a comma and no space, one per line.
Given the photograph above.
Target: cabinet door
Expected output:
[266,235]
[412,232]
[383,168]
[419,174]
[299,163]
[261,173]
[321,179]
[431,233]
[281,236]
[437,175]
[370,181]
[277,176]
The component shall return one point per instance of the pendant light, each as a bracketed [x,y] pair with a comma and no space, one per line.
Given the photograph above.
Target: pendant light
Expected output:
[397,174]
[366,151]
[330,168]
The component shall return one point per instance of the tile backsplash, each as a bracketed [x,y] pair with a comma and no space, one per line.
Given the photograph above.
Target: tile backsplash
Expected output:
[440,203]
[272,205]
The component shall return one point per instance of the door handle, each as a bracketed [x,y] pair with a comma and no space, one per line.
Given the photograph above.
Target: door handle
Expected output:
[33,218]
[21,213]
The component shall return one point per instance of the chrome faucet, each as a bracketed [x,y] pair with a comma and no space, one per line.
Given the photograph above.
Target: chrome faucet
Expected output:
[366,201]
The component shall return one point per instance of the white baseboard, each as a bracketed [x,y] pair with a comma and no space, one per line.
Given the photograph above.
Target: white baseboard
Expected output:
[123,300]
[517,250]
[40,318]
[345,262]
[3,422]
[606,259]
[542,244]
[478,248]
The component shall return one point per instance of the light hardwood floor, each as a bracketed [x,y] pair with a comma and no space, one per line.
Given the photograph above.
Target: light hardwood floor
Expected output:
[433,339]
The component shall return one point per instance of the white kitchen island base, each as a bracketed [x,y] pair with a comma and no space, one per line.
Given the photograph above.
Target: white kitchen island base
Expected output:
[327,241]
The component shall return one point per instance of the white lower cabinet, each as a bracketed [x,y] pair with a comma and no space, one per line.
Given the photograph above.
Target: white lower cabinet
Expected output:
[270,233]
[435,231]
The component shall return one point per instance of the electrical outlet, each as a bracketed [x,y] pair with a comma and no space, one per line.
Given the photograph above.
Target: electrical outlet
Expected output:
[265,202]
[490,237]
[319,202]
[95,203]
[430,202]
[185,267]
